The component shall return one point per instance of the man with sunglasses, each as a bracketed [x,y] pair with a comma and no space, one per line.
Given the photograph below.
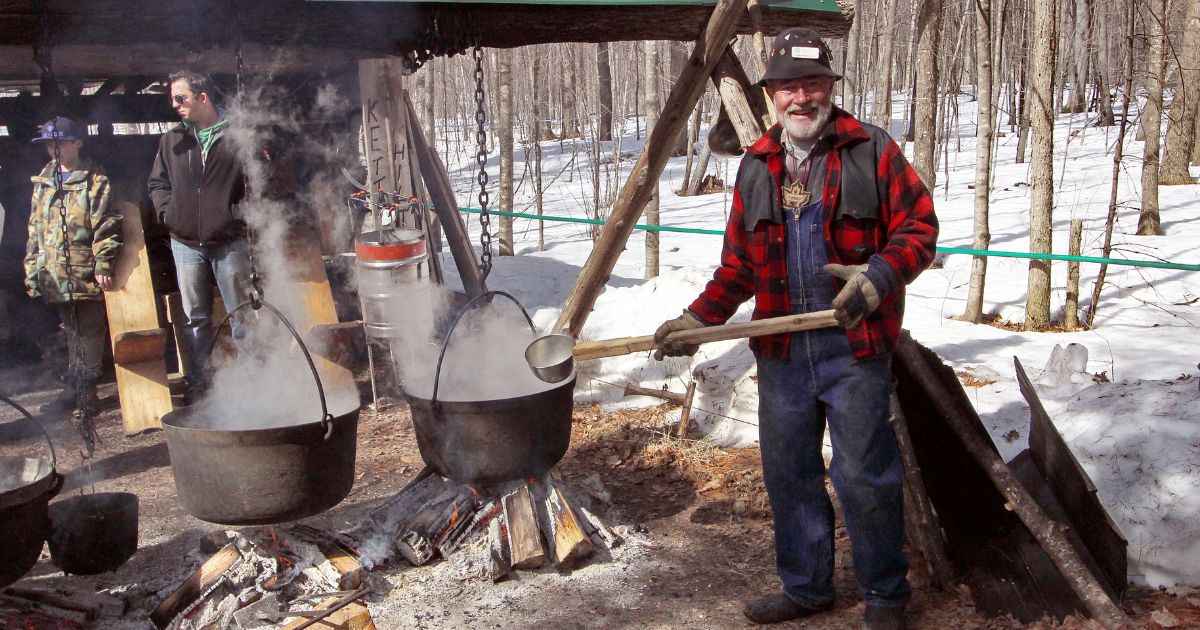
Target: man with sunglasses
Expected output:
[826,214]
[196,185]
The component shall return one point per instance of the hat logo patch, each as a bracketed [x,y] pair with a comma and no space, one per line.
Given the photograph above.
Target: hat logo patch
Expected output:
[805,52]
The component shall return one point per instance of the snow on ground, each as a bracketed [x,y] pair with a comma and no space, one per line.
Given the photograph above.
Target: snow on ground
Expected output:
[1138,436]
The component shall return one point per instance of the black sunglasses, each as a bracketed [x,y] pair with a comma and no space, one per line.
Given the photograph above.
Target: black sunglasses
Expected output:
[179,98]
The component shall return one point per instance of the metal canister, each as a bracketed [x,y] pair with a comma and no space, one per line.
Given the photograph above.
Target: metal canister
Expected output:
[394,282]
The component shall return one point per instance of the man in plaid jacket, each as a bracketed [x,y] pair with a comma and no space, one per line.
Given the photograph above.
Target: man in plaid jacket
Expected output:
[827,214]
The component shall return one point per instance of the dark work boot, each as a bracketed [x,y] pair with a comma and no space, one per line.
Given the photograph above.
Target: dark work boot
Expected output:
[779,607]
[883,618]
[64,403]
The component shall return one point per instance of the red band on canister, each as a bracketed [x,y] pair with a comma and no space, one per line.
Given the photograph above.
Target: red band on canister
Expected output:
[389,252]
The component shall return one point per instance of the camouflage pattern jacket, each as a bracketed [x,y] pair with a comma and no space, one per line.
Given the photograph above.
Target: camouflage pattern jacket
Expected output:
[93,235]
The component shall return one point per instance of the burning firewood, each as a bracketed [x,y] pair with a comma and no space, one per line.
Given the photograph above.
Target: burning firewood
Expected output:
[498,554]
[419,538]
[194,589]
[524,539]
[600,533]
[570,544]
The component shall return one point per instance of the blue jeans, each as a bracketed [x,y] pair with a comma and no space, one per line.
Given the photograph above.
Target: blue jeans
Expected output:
[197,267]
[822,380]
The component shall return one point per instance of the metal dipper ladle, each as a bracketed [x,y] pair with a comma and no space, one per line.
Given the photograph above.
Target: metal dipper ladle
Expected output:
[552,357]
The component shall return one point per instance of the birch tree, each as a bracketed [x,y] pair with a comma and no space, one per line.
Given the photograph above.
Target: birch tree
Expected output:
[653,104]
[983,157]
[1148,222]
[1181,128]
[1041,211]
[505,136]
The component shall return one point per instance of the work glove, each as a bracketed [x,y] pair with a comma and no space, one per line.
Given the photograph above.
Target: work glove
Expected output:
[687,321]
[32,288]
[866,286]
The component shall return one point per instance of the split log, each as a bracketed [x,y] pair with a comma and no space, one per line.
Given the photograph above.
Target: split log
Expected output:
[597,530]
[196,587]
[498,550]
[928,531]
[351,571]
[743,102]
[1048,533]
[419,538]
[92,605]
[570,544]
[441,193]
[349,615]
[643,179]
[136,346]
[397,512]
[524,540]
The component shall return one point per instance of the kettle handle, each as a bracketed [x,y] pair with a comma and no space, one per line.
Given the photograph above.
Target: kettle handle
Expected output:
[53,458]
[463,311]
[326,417]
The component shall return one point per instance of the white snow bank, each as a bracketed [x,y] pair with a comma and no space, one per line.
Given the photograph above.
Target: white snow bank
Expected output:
[1139,441]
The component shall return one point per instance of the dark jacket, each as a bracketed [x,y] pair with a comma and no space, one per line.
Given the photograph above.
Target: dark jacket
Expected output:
[875,206]
[197,198]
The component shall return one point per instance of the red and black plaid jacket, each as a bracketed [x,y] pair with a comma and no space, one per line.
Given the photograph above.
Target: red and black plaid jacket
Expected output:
[894,220]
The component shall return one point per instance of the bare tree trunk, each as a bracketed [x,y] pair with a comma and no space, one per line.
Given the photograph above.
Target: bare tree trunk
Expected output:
[1103,81]
[702,162]
[1148,223]
[1082,24]
[1041,211]
[653,105]
[693,136]
[1181,130]
[570,107]
[881,108]
[929,25]
[606,93]
[1023,97]
[505,132]
[430,88]
[536,139]
[1118,155]
[850,82]
[983,157]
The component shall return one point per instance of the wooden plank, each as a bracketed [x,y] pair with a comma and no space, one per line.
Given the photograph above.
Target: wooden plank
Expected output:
[354,616]
[988,544]
[139,345]
[589,350]
[132,306]
[570,543]
[381,87]
[643,179]
[441,194]
[929,531]
[524,539]
[1074,490]
[1047,533]
[196,586]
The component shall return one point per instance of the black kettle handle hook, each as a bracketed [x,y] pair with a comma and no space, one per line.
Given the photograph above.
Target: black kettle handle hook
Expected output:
[256,303]
[463,311]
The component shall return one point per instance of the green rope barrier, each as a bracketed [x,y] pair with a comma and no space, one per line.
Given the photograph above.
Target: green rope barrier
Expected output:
[946,250]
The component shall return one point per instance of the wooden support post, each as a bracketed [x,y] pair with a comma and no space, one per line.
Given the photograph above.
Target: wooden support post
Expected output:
[1072,308]
[381,87]
[524,541]
[685,415]
[441,193]
[760,50]
[1049,534]
[133,308]
[743,103]
[643,179]
[928,530]
[662,394]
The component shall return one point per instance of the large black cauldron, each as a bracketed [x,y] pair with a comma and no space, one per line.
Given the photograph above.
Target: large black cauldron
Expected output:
[262,476]
[26,487]
[489,441]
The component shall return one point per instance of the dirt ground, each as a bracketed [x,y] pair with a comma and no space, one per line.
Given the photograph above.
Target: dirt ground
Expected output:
[698,537]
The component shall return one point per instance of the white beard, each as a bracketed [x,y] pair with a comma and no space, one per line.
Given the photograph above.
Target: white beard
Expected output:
[808,129]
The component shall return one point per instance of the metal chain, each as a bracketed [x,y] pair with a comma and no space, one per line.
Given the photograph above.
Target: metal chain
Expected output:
[485,218]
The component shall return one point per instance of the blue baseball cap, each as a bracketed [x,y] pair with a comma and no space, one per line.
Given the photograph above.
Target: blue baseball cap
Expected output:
[59,128]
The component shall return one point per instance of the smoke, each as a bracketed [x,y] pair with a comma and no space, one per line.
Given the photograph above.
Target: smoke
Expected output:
[485,359]
[270,383]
